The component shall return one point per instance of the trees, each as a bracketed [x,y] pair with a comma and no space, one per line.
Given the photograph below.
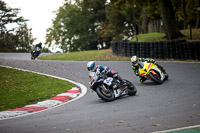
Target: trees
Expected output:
[24,39]
[65,28]
[121,19]
[17,38]
[93,24]
[124,16]
[168,17]
[76,26]
[186,12]
[198,16]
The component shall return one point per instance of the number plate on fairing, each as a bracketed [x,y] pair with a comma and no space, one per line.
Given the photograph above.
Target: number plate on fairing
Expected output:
[108,81]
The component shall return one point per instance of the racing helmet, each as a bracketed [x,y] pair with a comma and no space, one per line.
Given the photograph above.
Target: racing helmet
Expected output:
[134,60]
[91,66]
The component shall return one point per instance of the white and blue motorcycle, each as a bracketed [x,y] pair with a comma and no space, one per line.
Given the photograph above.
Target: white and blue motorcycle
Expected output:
[108,88]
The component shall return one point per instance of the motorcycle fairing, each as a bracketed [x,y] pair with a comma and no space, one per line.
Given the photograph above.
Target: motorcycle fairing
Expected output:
[108,81]
[150,66]
[158,70]
[120,92]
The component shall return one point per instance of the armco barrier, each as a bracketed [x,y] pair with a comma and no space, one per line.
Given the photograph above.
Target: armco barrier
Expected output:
[179,49]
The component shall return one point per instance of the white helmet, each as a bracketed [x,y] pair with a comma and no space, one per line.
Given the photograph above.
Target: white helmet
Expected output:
[91,66]
[134,60]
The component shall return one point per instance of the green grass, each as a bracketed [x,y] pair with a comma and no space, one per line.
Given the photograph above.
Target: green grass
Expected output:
[19,88]
[150,37]
[155,36]
[107,55]
[195,34]
[95,55]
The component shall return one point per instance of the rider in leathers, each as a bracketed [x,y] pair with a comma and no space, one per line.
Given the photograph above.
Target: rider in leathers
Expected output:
[137,62]
[37,45]
[104,69]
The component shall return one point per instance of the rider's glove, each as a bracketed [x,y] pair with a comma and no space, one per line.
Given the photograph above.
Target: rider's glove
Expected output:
[106,68]
[97,71]
[104,71]
[152,60]
[133,68]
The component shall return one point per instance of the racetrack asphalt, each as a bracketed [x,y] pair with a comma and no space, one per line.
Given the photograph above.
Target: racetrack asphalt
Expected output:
[173,104]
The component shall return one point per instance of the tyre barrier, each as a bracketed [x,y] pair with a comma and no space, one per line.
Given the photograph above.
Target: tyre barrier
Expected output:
[179,49]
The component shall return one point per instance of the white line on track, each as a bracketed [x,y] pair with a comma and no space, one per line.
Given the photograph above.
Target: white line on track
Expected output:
[177,129]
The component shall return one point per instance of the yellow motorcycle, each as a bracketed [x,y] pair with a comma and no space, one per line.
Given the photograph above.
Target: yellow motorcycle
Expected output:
[152,72]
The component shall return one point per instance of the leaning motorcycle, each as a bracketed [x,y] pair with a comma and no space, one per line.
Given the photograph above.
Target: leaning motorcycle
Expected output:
[35,53]
[152,72]
[108,88]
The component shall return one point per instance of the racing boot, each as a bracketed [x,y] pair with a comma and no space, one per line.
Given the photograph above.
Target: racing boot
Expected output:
[142,79]
[123,82]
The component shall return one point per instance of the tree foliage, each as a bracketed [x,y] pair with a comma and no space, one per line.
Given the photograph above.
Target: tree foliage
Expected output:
[16,38]
[76,26]
[186,10]
[121,19]
[93,24]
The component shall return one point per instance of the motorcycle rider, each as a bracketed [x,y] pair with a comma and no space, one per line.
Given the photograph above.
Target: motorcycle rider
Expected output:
[138,63]
[104,69]
[37,45]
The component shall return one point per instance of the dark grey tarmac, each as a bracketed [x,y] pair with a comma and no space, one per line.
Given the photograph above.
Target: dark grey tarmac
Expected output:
[173,104]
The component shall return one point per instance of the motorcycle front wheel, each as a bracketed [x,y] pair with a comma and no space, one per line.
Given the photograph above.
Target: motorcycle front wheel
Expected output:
[166,76]
[155,77]
[107,96]
[32,58]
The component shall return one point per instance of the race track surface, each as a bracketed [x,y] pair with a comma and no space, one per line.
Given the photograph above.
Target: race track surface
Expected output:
[173,104]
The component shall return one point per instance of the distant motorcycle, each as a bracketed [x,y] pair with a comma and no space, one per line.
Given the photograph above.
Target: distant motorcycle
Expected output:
[152,72]
[108,88]
[35,53]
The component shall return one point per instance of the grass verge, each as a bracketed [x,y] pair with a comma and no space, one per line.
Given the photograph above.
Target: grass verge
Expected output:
[150,37]
[19,88]
[155,36]
[95,55]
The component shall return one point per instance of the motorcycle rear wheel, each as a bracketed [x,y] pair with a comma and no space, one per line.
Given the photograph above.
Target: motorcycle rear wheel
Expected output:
[132,91]
[131,88]
[107,96]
